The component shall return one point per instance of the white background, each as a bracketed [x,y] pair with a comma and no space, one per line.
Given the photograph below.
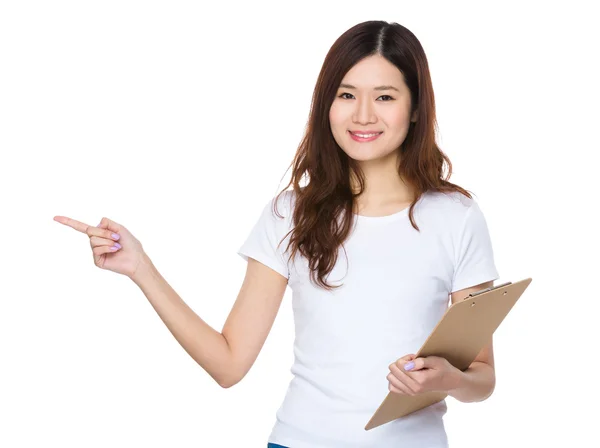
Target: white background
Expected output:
[178,120]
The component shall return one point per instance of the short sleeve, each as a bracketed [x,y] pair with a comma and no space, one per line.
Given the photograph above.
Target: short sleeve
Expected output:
[474,257]
[261,244]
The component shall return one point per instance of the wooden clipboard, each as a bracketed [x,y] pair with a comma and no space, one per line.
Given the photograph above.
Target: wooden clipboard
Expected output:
[463,331]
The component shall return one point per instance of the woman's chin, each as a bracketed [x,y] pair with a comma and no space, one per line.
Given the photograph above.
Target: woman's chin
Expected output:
[363,156]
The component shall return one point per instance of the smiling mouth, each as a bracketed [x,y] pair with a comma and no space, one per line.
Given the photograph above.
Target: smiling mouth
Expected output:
[365,137]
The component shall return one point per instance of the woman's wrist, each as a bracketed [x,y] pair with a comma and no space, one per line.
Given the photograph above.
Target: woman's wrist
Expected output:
[145,269]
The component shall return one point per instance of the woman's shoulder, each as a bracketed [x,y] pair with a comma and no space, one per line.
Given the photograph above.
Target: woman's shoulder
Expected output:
[280,206]
[447,201]
[285,200]
[449,208]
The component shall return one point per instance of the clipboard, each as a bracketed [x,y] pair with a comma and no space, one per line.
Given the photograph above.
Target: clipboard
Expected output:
[463,331]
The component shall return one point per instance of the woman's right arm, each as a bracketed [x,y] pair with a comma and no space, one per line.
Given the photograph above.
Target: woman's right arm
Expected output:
[227,356]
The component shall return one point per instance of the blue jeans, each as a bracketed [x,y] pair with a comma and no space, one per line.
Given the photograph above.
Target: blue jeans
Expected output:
[274,445]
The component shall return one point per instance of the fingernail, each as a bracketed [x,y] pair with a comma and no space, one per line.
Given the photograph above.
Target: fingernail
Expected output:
[409,365]
[117,245]
[115,236]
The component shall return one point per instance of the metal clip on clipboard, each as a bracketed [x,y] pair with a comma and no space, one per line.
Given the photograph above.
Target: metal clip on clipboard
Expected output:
[473,294]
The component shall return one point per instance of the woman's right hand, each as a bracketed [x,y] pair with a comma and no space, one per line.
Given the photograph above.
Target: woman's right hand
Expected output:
[114,248]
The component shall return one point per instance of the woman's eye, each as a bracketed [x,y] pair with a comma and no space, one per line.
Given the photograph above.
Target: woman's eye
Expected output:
[346,93]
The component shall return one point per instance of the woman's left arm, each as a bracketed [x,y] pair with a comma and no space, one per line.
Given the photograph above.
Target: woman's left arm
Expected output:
[476,383]
[413,376]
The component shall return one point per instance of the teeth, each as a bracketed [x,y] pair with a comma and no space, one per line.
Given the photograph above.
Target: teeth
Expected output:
[366,135]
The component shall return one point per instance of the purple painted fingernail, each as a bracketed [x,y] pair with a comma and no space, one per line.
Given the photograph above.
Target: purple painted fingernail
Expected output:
[115,236]
[409,365]
[117,245]
[114,248]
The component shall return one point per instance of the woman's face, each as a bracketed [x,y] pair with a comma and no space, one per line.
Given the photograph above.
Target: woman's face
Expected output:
[360,107]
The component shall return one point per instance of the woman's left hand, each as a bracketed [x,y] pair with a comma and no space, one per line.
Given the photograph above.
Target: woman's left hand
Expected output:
[429,374]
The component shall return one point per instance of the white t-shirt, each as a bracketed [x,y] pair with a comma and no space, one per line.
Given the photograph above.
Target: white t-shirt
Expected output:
[397,283]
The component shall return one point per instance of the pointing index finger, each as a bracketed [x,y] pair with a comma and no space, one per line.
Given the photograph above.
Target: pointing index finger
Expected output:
[77,225]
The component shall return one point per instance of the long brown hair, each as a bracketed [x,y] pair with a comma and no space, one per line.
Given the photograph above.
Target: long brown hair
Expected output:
[318,230]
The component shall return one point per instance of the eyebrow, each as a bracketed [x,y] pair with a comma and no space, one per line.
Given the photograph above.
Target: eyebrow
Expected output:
[348,86]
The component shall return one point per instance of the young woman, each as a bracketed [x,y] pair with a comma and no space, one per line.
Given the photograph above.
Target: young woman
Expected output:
[373,246]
